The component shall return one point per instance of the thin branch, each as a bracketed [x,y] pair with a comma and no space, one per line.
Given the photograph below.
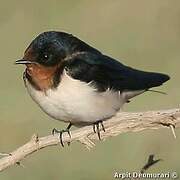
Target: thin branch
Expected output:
[121,123]
[150,163]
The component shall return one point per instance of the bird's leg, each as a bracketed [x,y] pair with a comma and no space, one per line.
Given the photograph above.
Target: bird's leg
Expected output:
[97,129]
[61,133]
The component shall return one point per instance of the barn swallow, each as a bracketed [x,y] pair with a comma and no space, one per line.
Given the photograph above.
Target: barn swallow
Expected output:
[75,83]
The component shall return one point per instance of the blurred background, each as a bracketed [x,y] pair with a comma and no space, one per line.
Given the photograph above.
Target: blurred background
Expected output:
[142,34]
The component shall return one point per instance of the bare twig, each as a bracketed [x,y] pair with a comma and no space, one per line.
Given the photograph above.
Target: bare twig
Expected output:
[121,123]
[150,163]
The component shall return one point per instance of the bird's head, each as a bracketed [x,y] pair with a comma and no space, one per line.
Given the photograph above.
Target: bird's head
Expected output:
[47,49]
[45,57]
[49,53]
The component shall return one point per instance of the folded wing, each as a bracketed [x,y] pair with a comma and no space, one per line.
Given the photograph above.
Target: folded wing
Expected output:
[104,72]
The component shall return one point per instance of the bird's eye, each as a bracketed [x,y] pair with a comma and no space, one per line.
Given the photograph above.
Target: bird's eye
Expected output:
[46,56]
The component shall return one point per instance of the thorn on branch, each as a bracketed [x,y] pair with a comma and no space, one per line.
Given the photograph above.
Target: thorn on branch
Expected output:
[5,154]
[20,164]
[35,138]
[173,131]
[170,123]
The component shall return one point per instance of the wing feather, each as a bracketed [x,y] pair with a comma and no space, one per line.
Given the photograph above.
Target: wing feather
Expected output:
[105,72]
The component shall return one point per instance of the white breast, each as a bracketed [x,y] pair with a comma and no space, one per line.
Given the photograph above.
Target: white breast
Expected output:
[77,102]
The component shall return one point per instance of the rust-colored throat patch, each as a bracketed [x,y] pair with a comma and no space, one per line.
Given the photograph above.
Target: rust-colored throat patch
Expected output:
[41,77]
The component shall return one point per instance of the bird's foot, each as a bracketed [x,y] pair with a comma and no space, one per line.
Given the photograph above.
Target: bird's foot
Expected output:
[96,128]
[60,132]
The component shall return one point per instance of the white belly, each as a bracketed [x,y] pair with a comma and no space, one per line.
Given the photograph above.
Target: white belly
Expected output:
[77,102]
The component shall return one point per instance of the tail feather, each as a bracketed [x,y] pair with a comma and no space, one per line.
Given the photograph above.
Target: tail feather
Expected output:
[139,80]
[154,79]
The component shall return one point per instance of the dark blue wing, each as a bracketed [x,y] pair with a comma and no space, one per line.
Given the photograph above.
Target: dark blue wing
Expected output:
[105,72]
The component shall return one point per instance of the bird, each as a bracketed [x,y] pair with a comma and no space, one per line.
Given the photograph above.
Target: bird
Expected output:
[73,82]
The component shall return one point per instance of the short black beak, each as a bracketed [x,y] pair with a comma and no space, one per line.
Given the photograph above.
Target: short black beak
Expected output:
[23,61]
